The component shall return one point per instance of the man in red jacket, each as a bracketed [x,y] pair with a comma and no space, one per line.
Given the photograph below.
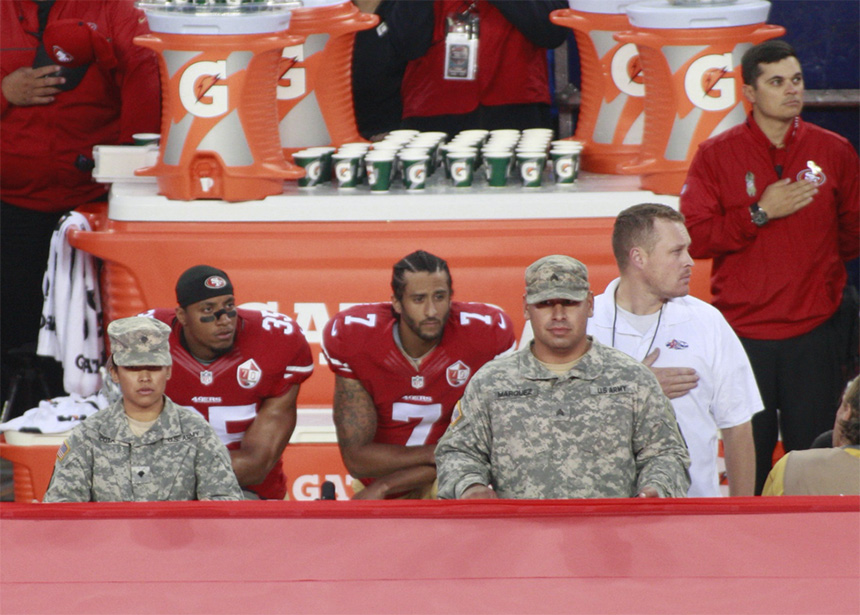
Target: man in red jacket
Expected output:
[774,202]
[478,64]
[52,116]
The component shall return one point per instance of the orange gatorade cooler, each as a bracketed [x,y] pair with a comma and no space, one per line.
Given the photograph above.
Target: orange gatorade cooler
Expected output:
[691,55]
[219,70]
[612,107]
[315,88]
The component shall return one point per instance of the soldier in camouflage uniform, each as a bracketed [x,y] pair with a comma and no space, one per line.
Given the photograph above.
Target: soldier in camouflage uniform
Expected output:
[566,417]
[144,447]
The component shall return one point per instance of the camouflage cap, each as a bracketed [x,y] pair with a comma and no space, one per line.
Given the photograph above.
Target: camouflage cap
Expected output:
[556,277]
[139,341]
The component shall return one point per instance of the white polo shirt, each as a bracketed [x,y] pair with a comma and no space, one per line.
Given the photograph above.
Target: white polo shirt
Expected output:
[691,333]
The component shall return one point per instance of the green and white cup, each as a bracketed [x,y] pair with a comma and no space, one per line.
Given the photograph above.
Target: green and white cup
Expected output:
[546,133]
[380,170]
[326,163]
[569,144]
[146,138]
[565,166]
[462,168]
[356,149]
[454,150]
[311,162]
[505,132]
[531,166]
[403,133]
[476,135]
[346,169]
[415,170]
[497,165]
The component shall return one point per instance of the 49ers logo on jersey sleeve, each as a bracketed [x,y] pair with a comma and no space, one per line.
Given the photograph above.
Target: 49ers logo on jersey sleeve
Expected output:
[458,374]
[248,374]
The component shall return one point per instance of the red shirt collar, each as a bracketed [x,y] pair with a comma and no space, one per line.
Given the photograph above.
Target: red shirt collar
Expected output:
[789,136]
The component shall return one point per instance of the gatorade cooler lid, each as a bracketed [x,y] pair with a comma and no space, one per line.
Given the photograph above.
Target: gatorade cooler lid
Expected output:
[311,4]
[664,15]
[176,18]
[607,7]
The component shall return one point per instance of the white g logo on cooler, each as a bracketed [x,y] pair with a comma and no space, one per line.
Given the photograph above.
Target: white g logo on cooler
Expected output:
[292,84]
[202,91]
[626,72]
[706,85]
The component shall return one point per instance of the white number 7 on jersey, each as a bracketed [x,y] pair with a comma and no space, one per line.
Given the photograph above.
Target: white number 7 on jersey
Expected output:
[428,414]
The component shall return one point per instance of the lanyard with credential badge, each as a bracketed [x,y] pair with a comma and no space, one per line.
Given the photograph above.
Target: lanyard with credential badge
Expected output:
[462,30]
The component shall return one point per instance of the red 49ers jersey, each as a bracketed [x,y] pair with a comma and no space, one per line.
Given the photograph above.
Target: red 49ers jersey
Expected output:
[414,406]
[269,355]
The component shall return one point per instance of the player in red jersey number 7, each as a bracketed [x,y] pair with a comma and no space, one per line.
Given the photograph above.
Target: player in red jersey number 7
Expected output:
[400,368]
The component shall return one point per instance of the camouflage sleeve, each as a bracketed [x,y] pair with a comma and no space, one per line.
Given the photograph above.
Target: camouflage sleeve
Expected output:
[215,477]
[662,459]
[463,453]
[72,480]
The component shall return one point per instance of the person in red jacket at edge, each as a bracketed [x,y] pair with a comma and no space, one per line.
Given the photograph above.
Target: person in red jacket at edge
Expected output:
[72,78]
[476,64]
[774,201]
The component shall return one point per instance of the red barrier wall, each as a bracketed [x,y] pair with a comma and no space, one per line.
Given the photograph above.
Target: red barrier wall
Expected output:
[738,555]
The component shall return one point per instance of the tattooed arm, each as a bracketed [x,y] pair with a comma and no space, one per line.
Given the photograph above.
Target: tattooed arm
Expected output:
[397,467]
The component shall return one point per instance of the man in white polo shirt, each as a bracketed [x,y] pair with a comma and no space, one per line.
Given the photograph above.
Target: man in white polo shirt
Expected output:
[697,358]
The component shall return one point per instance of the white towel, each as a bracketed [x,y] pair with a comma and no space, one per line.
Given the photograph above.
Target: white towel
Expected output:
[56,415]
[71,329]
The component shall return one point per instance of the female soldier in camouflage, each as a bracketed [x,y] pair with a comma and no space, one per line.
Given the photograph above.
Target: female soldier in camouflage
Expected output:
[144,447]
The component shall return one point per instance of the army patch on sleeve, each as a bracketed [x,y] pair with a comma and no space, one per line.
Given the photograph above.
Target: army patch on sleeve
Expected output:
[457,415]
[63,450]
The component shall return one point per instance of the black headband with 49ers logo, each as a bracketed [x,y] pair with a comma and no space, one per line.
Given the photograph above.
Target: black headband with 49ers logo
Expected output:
[201,282]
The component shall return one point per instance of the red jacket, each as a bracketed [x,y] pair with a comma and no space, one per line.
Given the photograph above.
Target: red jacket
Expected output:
[785,278]
[40,144]
[511,68]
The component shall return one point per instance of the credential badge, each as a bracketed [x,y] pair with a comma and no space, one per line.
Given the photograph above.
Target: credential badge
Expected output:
[812,173]
[417,382]
[206,377]
[750,181]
